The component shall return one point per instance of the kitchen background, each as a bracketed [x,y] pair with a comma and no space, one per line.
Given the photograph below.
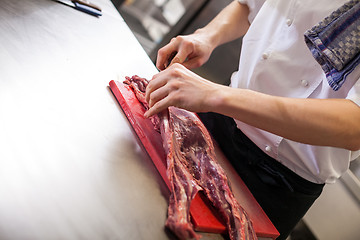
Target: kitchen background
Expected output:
[336,214]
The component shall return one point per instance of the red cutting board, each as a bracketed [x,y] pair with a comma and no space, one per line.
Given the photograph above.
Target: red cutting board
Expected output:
[202,215]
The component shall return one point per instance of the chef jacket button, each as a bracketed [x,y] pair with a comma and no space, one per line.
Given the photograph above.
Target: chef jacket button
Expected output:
[265,55]
[304,83]
[267,148]
[288,22]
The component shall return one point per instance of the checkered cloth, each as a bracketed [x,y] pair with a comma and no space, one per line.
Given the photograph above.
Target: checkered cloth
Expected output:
[335,43]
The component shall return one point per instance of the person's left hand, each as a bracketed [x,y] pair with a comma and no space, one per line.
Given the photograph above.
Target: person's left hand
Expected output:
[177,86]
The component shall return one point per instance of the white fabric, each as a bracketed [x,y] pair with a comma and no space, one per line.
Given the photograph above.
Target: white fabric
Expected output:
[254,7]
[275,60]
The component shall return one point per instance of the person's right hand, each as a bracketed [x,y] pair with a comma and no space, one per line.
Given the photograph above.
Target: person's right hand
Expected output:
[180,87]
[191,51]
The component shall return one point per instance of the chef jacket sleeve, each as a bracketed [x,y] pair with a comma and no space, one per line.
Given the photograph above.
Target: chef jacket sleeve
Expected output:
[254,7]
[354,93]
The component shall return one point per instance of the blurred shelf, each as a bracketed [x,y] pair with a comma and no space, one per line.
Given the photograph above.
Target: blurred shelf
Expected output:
[155,22]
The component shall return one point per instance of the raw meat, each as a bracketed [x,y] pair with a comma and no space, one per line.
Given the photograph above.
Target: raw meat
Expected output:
[183,186]
[192,167]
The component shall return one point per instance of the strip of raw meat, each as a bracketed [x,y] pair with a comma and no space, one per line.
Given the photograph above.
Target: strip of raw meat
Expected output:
[183,186]
[195,145]
[191,167]
[138,85]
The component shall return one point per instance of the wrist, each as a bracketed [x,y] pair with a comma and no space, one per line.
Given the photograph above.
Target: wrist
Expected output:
[218,99]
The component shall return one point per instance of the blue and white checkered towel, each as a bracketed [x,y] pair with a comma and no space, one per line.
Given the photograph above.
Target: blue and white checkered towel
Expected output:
[335,43]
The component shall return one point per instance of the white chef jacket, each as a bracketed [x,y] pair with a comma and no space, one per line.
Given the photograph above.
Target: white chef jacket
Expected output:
[275,60]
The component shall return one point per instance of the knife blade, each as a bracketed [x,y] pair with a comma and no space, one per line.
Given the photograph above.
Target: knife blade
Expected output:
[82,5]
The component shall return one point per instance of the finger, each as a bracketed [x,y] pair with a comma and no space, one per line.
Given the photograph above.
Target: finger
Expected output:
[157,95]
[157,108]
[185,50]
[193,63]
[170,59]
[156,82]
[165,53]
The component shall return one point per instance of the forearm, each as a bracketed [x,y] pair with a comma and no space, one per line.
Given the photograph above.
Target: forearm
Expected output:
[324,122]
[231,23]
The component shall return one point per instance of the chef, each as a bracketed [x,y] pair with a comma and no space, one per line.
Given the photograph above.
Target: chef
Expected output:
[290,121]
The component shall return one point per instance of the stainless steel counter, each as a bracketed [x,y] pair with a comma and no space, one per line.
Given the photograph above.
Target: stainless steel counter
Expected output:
[70,166]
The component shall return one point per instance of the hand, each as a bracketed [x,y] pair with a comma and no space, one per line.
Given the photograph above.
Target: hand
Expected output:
[192,51]
[177,86]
